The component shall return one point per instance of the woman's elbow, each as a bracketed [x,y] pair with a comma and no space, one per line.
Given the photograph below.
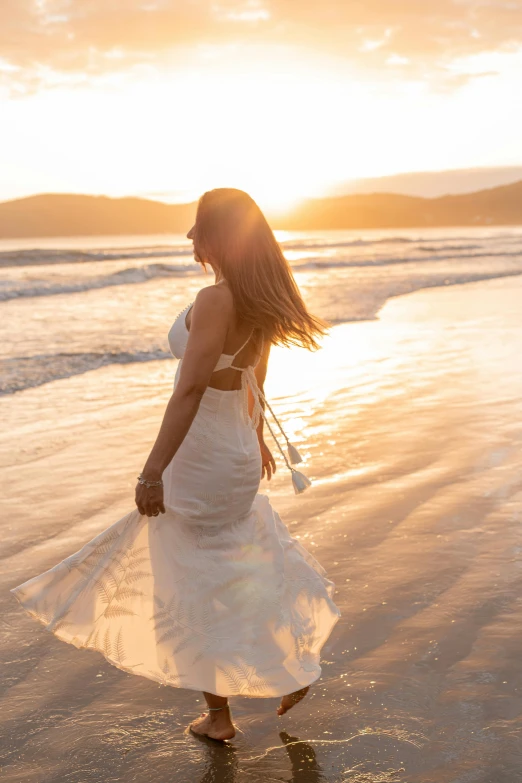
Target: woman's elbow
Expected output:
[191,390]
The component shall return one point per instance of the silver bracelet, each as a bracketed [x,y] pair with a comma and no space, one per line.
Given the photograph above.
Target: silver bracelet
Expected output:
[149,484]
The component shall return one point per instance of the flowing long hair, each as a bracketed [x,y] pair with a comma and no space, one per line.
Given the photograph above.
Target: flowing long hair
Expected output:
[232,230]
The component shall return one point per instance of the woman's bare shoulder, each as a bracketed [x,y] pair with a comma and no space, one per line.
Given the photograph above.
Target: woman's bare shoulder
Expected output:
[214,301]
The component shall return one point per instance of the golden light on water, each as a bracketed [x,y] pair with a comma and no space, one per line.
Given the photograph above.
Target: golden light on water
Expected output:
[294,371]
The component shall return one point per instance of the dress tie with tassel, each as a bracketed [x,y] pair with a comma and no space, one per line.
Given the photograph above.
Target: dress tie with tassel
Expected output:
[248,379]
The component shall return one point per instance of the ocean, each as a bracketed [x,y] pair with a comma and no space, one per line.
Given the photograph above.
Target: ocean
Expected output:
[70,305]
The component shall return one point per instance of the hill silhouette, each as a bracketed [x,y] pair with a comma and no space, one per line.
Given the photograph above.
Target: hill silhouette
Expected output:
[49,215]
[432,184]
[495,206]
[63,214]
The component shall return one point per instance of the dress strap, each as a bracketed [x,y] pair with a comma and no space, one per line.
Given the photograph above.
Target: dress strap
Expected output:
[243,346]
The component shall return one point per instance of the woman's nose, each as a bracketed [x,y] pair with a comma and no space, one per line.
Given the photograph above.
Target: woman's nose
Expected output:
[190,234]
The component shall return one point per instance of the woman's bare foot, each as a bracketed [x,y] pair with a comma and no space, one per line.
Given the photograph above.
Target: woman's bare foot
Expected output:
[287,702]
[216,725]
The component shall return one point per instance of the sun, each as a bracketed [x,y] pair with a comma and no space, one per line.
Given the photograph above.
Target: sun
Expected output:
[275,200]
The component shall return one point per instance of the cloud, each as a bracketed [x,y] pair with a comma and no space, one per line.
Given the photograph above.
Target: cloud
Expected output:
[97,36]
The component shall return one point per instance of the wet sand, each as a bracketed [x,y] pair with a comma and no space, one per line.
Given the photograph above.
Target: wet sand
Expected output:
[412,428]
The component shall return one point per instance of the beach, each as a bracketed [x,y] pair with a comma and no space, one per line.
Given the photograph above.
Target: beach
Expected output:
[411,426]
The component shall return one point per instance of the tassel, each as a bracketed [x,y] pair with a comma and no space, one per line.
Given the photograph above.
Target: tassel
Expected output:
[293,455]
[300,482]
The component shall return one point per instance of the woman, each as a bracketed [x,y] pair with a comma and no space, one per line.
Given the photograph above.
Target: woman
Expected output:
[202,586]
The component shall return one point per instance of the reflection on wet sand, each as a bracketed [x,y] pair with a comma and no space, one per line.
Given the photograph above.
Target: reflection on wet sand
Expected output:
[412,427]
[221,762]
[305,768]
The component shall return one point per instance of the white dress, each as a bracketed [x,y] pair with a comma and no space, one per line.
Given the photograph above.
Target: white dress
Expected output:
[214,595]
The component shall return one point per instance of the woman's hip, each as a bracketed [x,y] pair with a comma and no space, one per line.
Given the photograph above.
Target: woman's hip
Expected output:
[213,480]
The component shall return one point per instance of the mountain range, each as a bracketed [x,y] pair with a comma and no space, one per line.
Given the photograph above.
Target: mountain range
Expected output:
[54,215]
[431,184]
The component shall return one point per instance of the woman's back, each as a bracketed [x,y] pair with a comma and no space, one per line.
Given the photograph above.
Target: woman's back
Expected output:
[243,346]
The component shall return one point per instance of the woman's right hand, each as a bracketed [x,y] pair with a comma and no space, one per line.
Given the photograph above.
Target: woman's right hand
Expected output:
[268,466]
[149,500]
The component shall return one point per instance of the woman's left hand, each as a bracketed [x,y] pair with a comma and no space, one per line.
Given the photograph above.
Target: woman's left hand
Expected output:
[149,501]
[268,466]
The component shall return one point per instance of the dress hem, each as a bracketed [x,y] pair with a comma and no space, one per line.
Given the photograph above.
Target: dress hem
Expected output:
[185,686]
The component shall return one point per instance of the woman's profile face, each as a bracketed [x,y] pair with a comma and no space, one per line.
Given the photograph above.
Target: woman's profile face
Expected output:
[198,254]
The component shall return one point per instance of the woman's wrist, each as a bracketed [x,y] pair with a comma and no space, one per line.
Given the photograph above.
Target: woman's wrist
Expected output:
[151,473]
[148,482]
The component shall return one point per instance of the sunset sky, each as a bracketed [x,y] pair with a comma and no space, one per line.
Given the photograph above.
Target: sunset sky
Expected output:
[285,98]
